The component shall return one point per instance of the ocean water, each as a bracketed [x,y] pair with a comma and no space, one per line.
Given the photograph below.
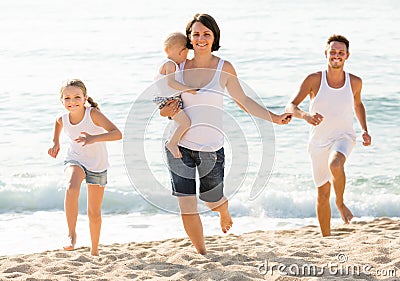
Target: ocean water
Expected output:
[114,47]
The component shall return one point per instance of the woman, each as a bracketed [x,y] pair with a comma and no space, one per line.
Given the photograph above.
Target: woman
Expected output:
[202,145]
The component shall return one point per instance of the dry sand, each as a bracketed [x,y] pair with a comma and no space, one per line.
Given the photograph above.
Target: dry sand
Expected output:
[372,247]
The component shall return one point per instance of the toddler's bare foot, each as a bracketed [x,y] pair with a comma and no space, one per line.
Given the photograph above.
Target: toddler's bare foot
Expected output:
[345,213]
[174,149]
[71,243]
[94,252]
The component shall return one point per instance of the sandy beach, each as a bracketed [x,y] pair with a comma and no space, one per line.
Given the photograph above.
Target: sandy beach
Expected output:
[359,251]
[115,49]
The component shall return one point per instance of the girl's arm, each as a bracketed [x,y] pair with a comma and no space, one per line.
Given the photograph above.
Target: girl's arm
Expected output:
[99,119]
[248,104]
[170,76]
[56,138]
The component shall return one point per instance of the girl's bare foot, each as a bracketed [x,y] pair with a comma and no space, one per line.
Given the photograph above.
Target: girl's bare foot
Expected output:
[345,213]
[71,243]
[174,149]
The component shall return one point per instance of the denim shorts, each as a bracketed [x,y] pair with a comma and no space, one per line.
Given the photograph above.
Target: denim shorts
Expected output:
[210,166]
[99,178]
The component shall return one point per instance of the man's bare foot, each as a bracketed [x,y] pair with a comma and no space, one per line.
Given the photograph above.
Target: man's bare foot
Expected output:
[174,149]
[202,252]
[71,241]
[345,213]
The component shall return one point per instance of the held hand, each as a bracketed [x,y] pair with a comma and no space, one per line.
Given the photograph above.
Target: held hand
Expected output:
[366,139]
[54,150]
[85,139]
[315,119]
[170,109]
[283,119]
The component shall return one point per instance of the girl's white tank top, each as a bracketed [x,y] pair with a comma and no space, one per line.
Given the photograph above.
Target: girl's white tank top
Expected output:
[93,157]
[337,108]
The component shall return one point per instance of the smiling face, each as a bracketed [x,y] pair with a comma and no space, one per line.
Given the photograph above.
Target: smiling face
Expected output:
[201,37]
[336,54]
[203,27]
[73,98]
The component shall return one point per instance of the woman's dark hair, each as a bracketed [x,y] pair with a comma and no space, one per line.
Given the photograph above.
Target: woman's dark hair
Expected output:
[209,22]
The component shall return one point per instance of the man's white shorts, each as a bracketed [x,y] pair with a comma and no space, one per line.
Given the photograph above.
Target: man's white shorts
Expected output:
[320,158]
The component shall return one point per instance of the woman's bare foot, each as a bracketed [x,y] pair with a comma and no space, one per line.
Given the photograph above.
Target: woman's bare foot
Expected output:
[71,242]
[174,149]
[225,217]
[345,213]
[226,222]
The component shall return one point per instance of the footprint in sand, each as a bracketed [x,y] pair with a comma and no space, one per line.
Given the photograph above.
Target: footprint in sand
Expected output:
[23,268]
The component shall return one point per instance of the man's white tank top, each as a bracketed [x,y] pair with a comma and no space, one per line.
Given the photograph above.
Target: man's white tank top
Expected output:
[205,110]
[337,108]
[93,157]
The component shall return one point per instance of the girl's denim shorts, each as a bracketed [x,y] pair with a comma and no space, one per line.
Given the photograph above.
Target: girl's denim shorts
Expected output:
[99,178]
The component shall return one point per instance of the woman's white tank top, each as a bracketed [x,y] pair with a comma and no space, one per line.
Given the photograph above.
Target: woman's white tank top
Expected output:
[205,110]
[93,157]
[337,108]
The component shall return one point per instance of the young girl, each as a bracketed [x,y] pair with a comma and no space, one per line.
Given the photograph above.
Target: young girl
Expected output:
[170,89]
[87,130]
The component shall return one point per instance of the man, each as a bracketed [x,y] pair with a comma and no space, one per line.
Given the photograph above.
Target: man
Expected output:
[334,94]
